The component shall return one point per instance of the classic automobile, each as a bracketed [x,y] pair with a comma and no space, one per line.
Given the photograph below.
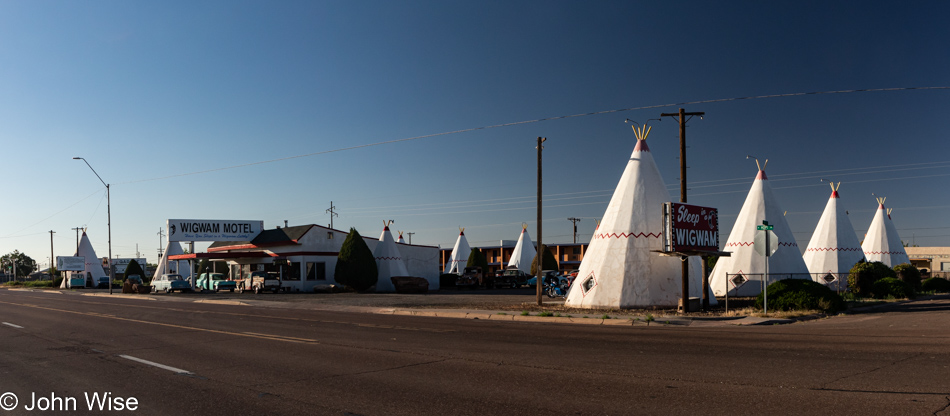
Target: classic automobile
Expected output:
[471,278]
[170,283]
[260,281]
[215,282]
[515,277]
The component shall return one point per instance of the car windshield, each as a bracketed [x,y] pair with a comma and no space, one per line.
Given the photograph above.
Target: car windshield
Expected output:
[173,277]
[217,276]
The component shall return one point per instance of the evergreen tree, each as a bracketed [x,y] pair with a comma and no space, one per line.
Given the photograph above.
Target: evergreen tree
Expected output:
[355,266]
[548,262]
[477,259]
[134,268]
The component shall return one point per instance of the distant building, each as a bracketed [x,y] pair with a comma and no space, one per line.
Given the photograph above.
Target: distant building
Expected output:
[568,255]
[932,261]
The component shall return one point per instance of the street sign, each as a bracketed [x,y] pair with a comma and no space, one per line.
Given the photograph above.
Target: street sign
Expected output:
[759,242]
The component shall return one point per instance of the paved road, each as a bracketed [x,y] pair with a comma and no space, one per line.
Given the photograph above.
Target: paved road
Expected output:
[244,360]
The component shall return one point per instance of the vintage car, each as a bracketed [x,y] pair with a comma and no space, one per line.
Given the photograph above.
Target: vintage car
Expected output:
[215,282]
[260,281]
[471,278]
[170,283]
[514,277]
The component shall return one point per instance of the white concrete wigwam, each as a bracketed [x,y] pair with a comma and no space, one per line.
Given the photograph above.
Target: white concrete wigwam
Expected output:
[400,240]
[882,243]
[460,252]
[93,270]
[166,266]
[524,252]
[746,267]
[834,248]
[619,270]
[389,262]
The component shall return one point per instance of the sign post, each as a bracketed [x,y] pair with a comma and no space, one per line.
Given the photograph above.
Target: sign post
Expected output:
[766,243]
[691,230]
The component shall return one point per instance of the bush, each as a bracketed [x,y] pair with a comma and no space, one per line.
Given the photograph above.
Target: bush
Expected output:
[909,274]
[477,259]
[801,294]
[135,268]
[936,284]
[356,266]
[548,262]
[863,275]
[891,287]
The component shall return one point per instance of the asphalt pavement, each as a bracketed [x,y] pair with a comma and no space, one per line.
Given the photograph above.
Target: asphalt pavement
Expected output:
[275,354]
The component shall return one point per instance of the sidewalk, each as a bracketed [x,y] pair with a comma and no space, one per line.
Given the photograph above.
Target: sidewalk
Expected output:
[510,307]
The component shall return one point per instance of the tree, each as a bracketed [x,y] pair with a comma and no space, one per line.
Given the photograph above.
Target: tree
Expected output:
[355,266]
[24,264]
[548,262]
[477,259]
[134,269]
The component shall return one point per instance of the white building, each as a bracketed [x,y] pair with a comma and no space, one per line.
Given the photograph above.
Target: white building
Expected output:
[311,251]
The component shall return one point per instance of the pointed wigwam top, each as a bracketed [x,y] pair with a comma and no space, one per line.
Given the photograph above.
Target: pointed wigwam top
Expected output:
[745,265]
[389,262]
[400,240]
[459,258]
[882,243]
[834,247]
[524,252]
[619,270]
[641,133]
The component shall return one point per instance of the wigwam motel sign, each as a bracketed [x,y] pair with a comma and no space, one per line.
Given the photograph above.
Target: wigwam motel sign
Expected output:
[213,230]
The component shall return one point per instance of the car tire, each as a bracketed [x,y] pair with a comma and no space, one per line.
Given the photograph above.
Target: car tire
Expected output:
[232,290]
[257,290]
[168,290]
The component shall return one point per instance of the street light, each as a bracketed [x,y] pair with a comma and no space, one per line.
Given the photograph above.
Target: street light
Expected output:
[108,219]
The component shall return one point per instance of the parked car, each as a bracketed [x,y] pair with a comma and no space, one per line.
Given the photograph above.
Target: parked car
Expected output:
[549,275]
[170,283]
[102,282]
[513,277]
[471,278]
[215,282]
[260,281]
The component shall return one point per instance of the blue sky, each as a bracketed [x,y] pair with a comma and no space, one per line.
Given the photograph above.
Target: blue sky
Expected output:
[151,93]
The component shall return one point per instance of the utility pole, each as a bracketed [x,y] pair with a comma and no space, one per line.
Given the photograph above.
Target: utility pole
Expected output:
[681,117]
[51,257]
[410,237]
[332,213]
[575,221]
[160,249]
[77,239]
[538,280]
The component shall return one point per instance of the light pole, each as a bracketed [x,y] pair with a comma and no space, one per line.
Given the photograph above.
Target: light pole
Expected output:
[108,219]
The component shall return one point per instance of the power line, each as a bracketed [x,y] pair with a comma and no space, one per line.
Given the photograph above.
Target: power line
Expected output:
[516,123]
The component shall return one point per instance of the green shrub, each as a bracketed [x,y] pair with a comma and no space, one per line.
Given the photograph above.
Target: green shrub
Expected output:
[356,266]
[936,284]
[135,268]
[863,275]
[909,274]
[891,287]
[548,262]
[801,294]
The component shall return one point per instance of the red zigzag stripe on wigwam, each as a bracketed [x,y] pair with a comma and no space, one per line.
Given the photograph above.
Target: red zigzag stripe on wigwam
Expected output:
[739,244]
[883,252]
[744,244]
[628,235]
[833,249]
[389,258]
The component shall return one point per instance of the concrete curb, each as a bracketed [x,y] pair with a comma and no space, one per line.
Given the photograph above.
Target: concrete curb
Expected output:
[222,302]
[120,295]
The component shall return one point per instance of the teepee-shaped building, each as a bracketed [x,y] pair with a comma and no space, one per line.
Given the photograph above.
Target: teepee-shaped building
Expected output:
[524,252]
[166,266]
[882,242]
[93,270]
[389,262]
[459,258]
[619,269]
[743,272]
[834,247]
[400,239]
